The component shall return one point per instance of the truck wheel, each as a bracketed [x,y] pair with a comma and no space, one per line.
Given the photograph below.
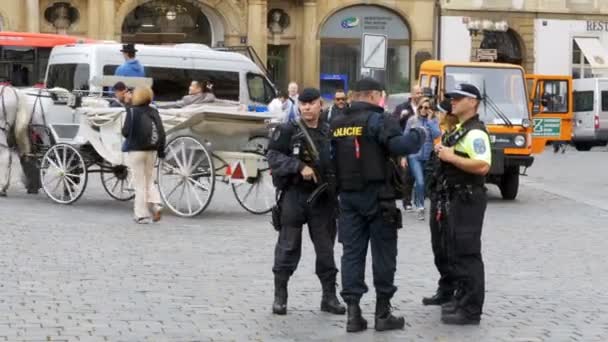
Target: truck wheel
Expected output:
[582,146]
[509,183]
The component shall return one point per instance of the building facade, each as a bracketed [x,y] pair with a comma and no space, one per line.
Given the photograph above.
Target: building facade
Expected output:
[557,37]
[313,42]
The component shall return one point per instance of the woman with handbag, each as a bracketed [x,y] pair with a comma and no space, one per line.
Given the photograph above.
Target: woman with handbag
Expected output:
[144,142]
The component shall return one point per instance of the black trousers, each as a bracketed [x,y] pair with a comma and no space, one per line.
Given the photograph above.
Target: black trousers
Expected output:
[361,225]
[321,221]
[408,186]
[465,219]
[439,244]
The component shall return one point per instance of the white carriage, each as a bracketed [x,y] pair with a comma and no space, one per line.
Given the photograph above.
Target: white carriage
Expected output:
[205,144]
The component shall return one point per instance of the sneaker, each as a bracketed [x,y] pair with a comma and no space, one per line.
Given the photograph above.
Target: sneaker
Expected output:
[420,214]
[409,208]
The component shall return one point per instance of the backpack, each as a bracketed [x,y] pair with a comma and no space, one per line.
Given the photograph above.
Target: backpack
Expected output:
[149,129]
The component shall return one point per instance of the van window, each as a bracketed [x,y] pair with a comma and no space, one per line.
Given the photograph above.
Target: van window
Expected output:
[68,76]
[260,89]
[604,101]
[171,84]
[583,101]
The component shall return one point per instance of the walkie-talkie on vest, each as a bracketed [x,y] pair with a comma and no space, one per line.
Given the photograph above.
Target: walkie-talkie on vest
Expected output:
[357,148]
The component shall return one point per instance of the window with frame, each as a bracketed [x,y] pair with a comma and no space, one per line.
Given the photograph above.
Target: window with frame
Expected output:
[583,101]
[604,95]
[555,97]
[581,68]
[260,90]
[171,84]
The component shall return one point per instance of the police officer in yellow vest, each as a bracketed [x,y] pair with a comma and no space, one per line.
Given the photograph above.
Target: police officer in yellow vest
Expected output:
[363,141]
[466,157]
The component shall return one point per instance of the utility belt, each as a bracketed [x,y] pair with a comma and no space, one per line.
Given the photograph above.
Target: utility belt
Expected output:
[461,191]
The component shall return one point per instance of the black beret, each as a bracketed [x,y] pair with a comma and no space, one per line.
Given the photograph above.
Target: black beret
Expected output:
[368,84]
[309,95]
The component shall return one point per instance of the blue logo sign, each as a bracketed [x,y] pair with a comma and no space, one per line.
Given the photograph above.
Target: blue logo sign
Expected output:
[350,22]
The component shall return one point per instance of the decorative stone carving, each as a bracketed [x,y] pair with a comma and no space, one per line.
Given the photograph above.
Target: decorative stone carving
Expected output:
[61,15]
[278,20]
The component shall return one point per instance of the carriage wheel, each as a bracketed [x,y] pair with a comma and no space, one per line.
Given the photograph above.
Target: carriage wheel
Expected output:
[118,183]
[186,177]
[63,174]
[256,194]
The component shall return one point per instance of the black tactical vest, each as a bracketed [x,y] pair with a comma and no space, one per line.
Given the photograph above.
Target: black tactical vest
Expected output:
[453,175]
[358,158]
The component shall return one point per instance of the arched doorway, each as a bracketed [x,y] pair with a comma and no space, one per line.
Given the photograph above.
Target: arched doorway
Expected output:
[168,22]
[507,44]
[341,47]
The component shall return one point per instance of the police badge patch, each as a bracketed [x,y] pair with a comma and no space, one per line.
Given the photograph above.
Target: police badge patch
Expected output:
[479,145]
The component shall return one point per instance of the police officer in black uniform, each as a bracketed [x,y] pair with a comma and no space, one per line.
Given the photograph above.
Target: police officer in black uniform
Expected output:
[363,141]
[303,173]
[466,158]
[437,222]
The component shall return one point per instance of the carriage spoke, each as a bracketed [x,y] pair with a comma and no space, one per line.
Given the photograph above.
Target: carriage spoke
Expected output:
[71,181]
[58,159]
[198,184]
[175,157]
[198,199]
[175,188]
[247,194]
[53,163]
[183,153]
[67,186]
[116,185]
[188,198]
[59,181]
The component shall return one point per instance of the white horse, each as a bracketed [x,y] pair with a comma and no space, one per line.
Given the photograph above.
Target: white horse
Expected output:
[17,112]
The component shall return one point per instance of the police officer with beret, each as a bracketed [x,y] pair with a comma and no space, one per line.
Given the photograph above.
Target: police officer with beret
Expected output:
[437,222]
[299,158]
[466,158]
[364,140]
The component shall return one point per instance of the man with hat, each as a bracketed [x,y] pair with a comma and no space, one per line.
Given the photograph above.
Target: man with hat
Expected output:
[466,157]
[299,159]
[437,222]
[131,67]
[365,143]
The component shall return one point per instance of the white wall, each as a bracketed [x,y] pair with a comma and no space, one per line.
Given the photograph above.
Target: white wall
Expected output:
[553,44]
[455,40]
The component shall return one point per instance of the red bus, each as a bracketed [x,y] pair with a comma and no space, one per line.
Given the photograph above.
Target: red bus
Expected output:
[24,56]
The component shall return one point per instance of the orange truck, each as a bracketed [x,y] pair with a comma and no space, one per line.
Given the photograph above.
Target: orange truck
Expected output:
[522,112]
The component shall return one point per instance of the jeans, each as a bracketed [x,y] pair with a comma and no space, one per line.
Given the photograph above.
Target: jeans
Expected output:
[416,167]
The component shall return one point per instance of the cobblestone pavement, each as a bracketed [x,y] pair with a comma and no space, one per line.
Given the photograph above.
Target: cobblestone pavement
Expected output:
[85,272]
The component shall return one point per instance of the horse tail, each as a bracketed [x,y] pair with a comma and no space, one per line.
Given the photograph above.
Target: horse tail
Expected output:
[22,122]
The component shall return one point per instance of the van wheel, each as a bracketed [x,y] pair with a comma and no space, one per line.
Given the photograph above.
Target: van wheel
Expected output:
[509,183]
[582,146]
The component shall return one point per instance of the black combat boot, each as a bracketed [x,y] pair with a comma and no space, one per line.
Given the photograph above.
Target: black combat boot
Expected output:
[449,307]
[439,298]
[460,317]
[279,307]
[355,321]
[384,318]
[329,301]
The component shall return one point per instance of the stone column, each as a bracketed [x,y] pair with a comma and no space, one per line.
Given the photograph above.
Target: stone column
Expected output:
[108,13]
[32,12]
[93,18]
[256,28]
[310,45]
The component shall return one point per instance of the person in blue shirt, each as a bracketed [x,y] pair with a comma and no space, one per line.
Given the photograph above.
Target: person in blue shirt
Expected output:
[131,67]
[424,119]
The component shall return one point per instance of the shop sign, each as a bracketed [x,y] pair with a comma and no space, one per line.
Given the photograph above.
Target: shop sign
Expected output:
[597,26]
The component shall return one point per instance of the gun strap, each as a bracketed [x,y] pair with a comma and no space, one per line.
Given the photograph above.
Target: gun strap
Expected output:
[311,143]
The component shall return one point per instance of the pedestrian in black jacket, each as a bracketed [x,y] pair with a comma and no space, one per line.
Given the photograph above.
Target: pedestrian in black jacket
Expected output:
[145,140]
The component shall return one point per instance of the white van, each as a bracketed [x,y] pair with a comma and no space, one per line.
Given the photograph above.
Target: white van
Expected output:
[590,113]
[172,68]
